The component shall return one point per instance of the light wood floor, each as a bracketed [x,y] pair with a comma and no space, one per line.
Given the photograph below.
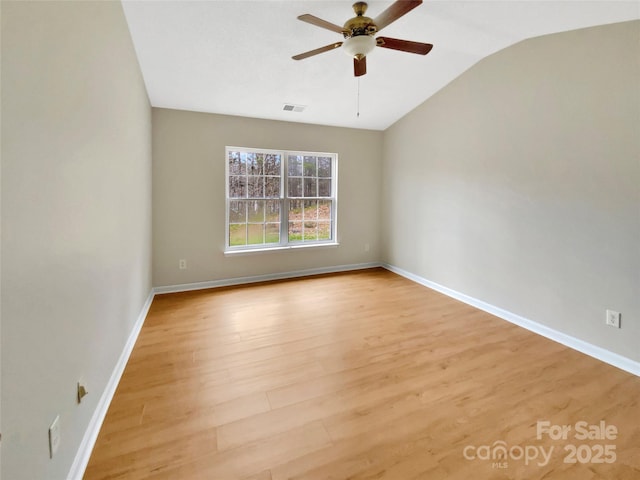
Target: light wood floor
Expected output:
[362,375]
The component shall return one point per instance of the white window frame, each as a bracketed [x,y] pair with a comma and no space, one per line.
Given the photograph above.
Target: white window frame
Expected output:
[284,200]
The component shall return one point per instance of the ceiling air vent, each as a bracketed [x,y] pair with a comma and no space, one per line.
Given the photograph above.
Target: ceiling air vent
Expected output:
[289,107]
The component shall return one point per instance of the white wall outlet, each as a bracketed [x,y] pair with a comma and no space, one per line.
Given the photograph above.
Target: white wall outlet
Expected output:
[182,264]
[54,436]
[366,247]
[613,318]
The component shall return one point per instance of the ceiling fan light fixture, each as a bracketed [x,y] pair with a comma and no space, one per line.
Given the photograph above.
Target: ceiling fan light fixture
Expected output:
[359,46]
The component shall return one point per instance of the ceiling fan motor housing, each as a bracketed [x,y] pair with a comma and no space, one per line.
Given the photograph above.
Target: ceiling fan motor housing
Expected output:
[359,25]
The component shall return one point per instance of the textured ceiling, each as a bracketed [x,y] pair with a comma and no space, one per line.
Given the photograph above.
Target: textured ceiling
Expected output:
[234,57]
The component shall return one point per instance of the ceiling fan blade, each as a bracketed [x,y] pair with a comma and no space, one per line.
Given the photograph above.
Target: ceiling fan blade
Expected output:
[318,22]
[404,45]
[359,66]
[311,53]
[394,12]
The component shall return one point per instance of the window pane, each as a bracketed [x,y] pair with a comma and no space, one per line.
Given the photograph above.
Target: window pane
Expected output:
[236,165]
[295,187]
[324,210]
[295,231]
[237,187]
[256,211]
[272,211]
[272,164]
[272,187]
[310,169]
[255,187]
[295,220]
[255,162]
[243,162]
[255,234]
[310,230]
[324,166]
[324,187]
[295,210]
[310,187]
[310,209]
[237,212]
[324,230]
[272,233]
[238,234]
[295,165]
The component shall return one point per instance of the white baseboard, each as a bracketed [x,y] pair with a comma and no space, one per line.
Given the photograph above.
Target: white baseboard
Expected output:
[186,287]
[594,351]
[91,434]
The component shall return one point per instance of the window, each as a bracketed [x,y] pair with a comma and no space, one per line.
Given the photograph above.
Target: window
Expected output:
[279,199]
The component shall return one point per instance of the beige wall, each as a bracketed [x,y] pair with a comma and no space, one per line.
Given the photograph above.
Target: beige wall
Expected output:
[76,219]
[189,195]
[519,184]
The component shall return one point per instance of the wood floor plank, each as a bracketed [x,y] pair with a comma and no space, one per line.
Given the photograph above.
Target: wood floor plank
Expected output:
[358,375]
[250,459]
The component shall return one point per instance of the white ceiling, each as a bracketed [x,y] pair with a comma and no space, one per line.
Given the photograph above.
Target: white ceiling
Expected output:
[234,57]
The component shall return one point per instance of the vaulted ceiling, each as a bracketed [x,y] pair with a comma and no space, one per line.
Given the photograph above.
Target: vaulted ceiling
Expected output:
[234,57]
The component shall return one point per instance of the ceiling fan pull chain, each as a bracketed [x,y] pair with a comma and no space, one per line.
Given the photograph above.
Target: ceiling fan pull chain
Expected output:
[358,101]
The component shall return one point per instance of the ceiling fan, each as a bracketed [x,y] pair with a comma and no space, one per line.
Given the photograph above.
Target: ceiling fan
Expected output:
[359,34]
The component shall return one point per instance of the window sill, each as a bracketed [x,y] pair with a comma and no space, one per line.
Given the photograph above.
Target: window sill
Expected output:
[250,251]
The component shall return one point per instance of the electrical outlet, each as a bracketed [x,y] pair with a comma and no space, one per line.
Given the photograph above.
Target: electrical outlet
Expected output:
[613,318]
[366,247]
[182,264]
[54,436]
